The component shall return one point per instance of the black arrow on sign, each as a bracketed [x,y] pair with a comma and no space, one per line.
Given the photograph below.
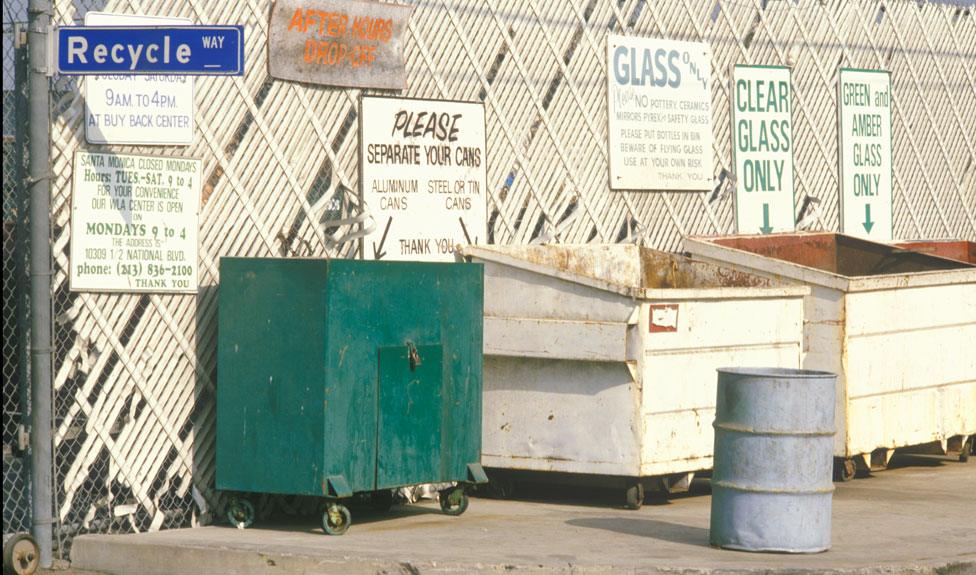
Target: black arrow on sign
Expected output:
[378,252]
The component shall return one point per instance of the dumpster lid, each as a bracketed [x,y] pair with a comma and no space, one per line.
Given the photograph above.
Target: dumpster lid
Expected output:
[833,260]
[633,271]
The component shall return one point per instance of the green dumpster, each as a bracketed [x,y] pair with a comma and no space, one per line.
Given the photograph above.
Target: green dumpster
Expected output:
[340,377]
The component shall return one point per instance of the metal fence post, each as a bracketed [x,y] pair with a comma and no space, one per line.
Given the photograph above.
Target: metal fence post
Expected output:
[39,14]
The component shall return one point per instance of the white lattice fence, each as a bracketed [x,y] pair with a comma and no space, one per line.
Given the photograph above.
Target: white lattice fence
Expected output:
[135,374]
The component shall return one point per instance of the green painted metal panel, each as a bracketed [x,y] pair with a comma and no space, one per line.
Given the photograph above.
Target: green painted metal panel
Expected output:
[386,304]
[317,327]
[408,439]
[269,388]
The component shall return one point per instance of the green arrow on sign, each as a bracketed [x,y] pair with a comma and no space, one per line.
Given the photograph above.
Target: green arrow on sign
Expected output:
[766,228]
[868,224]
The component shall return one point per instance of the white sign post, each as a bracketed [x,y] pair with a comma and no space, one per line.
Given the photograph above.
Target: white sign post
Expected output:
[134,223]
[424,176]
[660,118]
[865,153]
[138,110]
[762,149]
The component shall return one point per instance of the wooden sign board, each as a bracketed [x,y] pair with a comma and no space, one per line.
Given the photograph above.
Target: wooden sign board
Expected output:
[339,43]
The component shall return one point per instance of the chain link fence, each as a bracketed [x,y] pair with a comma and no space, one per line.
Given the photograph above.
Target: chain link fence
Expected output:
[16,482]
[134,374]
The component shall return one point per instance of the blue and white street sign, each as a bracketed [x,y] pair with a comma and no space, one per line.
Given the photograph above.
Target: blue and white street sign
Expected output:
[185,50]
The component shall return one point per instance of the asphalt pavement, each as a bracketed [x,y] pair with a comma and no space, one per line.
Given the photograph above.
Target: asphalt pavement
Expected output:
[918,518]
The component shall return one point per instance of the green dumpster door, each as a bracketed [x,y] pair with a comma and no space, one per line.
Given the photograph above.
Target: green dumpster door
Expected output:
[408,438]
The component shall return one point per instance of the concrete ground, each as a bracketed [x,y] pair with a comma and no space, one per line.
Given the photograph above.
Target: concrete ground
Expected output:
[919,518]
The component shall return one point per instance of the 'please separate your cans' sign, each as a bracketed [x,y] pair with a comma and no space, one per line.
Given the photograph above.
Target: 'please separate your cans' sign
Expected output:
[424,176]
[338,43]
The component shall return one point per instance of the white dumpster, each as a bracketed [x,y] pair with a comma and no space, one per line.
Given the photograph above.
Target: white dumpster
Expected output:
[600,360]
[897,327]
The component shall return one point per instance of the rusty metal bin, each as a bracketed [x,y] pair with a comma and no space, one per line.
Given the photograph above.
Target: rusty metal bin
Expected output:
[600,361]
[897,326]
[959,250]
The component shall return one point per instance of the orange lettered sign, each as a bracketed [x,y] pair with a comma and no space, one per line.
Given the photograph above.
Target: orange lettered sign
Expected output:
[339,43]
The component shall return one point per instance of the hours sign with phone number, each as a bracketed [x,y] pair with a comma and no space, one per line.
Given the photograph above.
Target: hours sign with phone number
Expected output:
[134,223]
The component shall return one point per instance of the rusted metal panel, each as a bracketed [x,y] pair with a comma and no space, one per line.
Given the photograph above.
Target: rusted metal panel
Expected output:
[581,376]
[664,270]
[831,260]
[953,249]
[898,333]
[839,254]
[338,43]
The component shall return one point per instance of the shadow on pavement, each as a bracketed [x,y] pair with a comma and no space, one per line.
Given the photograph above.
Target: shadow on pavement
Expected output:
[558,494]
[595,496]
[652,528]
[910,460]
[899,460]
[365,515]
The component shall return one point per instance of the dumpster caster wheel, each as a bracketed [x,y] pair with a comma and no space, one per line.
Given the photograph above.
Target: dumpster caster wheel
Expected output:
[336,519]
[20,554]
[967,449]
[240,513]
[844,470]
[454,501]
[635,496]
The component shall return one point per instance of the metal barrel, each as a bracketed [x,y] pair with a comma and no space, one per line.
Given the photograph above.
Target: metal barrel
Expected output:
[772,483]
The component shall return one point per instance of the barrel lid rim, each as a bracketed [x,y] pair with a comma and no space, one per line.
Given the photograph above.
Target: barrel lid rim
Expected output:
[777,372]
